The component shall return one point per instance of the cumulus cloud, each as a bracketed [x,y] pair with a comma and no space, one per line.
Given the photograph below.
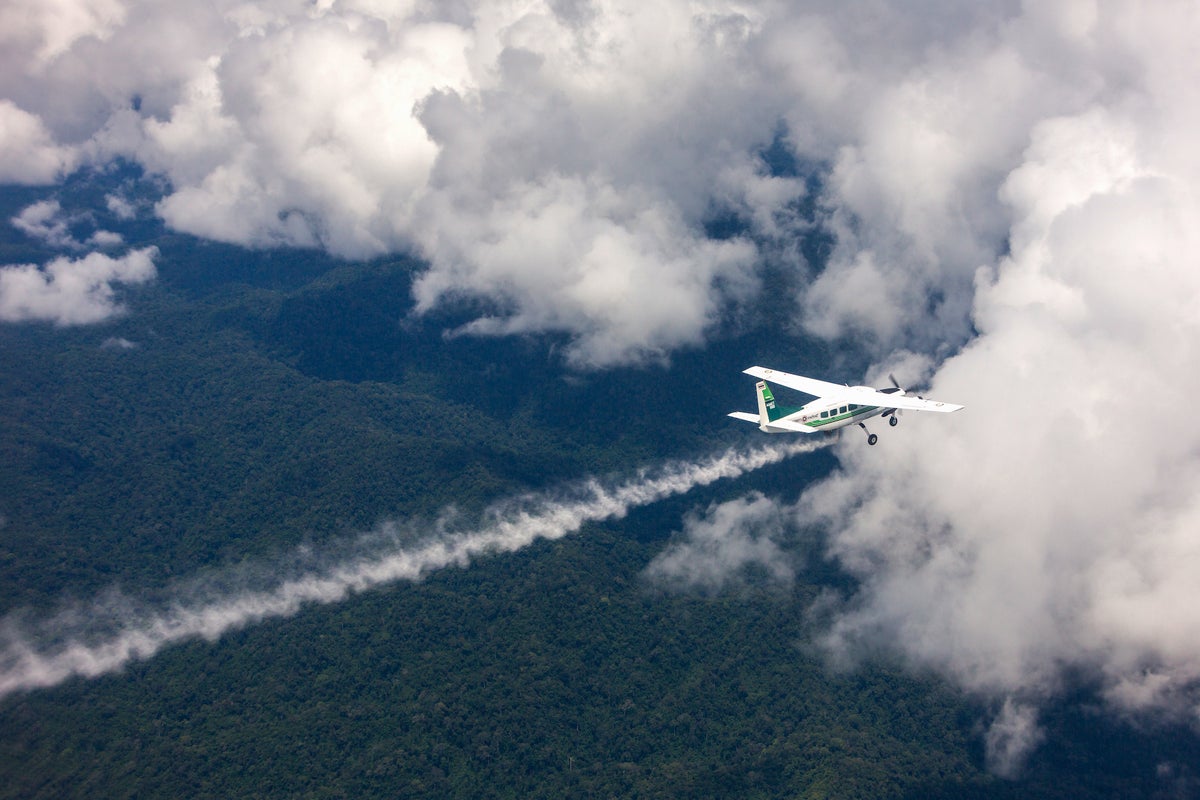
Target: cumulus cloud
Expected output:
[560,160]
[44,220]
[103,238]
[270,145]
[50,28]
[557,160]
[915,170]
[122,208]
[28,152]
[621,272]
[1053,525]
[721,547]
[71,291]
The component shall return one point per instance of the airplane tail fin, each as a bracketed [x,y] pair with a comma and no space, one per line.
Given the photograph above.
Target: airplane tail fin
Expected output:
[766,402]
[768,409]
[769,412]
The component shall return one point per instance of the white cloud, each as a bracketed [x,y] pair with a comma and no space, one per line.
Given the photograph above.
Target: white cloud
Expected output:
[270,145]
[28,153]
[51,27]
[123,209]
[917,163]
[103,238]
[369,127]
[572,184]
[1010,739]
[44,220]
[1053,525]
[623,273]
[364,129]
[723,546]
[71,292]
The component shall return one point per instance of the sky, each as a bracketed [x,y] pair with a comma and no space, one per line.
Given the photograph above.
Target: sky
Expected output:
[1012,187]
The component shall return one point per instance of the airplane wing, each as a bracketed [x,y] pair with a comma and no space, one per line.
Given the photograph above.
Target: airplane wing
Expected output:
[798,382]
[851,394]
[907,402]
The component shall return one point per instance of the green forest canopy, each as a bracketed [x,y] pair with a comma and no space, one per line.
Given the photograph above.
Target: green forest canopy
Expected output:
[280,399]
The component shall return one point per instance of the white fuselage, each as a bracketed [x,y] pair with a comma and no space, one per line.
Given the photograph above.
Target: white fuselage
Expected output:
[829,414]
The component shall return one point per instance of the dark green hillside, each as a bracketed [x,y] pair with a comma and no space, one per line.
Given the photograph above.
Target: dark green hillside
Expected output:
[552,672]
[536,675]
[241,423]
[273,400]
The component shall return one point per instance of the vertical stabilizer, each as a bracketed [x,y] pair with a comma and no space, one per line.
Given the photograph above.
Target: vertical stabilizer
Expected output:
[768,409]
[766,403]
[769,412]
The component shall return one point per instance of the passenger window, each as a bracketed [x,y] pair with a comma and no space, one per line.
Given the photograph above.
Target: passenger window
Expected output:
[842,410]
[824,415]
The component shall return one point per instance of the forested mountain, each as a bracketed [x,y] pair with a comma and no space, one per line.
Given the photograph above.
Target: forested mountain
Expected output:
[253,404]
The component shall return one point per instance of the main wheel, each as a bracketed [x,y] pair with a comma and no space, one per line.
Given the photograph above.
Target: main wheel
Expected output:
[872,439]
[893,421]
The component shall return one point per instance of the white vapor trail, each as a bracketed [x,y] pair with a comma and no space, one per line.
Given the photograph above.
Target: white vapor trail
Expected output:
[30,660]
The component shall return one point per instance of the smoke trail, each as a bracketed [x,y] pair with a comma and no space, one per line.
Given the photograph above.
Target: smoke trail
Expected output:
[68,644]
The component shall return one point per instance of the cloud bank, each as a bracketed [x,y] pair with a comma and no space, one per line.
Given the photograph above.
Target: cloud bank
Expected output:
[1059,511]
[114,630]
[557,161]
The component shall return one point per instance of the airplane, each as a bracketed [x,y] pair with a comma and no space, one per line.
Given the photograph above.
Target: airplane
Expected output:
[836,406]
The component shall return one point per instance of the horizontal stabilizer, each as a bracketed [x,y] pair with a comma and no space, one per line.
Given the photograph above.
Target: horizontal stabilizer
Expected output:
[794,427]
[773,426]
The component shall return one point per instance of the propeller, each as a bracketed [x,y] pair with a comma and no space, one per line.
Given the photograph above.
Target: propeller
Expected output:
[903,391]
[899,412]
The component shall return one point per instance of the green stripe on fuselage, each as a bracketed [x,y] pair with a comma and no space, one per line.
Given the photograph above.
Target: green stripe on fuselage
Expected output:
[858,412]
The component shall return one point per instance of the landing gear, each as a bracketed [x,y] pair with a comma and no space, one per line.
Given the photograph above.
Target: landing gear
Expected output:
[893,421]
[871,438]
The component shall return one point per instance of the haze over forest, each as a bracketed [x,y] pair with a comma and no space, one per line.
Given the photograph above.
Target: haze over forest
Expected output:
[363,371]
